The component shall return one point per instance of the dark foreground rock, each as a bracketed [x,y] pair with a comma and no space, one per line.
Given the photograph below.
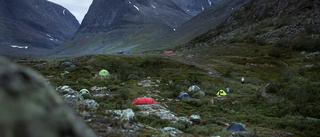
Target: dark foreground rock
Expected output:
[30,108]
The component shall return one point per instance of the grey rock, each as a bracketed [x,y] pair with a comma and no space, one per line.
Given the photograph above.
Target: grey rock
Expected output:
[242,134]
[76,101]
[29,107]
[195,118]
[156,109]
[65,73]
[173,132]
[199,94]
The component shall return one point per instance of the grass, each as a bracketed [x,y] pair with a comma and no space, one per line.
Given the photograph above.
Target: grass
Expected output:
[245,104]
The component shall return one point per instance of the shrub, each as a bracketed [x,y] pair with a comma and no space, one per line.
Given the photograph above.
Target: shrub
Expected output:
[152,120]
[261,42]
[274,52]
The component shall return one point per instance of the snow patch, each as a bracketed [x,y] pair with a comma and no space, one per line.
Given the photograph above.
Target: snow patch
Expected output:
[174,29]
[202,8]
[52,38]
[153,6]
[19,47]
[64,11]
[209,1]
[136,7]
[129,2]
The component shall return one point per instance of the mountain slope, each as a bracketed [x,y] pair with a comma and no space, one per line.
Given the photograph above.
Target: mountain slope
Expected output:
[33,26]
[111,25]
[194,7]
[206,20]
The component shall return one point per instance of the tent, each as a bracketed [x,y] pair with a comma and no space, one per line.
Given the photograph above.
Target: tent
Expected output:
[84,91]
[183,95]
[222,93]
[235,127]
[194,88]
[144,101]
[67,64]
[104,73]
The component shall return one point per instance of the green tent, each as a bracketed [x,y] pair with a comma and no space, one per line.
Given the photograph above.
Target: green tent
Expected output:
[104,73]
[84,91]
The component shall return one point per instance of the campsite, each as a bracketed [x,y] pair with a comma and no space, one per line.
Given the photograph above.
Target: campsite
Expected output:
[181,90]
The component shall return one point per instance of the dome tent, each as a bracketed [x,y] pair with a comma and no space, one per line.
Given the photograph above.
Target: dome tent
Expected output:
[104,73]
[183,95]
[221,93]
[235,127]
[144,101]
[84,91]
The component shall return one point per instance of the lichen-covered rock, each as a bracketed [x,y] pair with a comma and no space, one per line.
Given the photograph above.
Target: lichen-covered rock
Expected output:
[195,118]
[173,132]
[199,94]
[89,105]
[155,109]
[126,115]
[29,107]
[76,101]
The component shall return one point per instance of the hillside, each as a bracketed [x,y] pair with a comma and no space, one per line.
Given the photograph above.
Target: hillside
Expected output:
[204,21]
[33,27]
[273,45]
[111,26]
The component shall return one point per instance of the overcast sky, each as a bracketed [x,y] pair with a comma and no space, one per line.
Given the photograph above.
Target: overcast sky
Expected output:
[78,8]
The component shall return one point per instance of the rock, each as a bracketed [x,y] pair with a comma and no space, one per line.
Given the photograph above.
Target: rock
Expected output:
[155,109]
[199,94]
[194,88]
[173,132]
[65,73]
[241,134]
[95,88]
[195,118]
[88,105]
[29,107]
[126,117]
[76,101]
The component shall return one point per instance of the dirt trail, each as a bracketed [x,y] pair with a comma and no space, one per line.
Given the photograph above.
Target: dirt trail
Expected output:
[215,73]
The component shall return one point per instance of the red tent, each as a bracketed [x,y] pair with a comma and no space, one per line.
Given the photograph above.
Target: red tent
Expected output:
[144,101]
[166,52]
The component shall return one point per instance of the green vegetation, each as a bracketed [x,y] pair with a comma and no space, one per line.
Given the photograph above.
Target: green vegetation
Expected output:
[293,92]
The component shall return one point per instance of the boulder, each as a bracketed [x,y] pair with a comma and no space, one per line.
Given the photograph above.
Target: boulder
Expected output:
[173,132]
[195,118]
[199,94]
[29,107]
[76,101]
[88,105]
[156,109]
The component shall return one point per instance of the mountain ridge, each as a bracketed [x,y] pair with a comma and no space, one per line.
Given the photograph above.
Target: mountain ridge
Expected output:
[33,27]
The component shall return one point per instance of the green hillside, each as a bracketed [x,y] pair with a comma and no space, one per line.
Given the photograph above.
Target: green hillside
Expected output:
[280,110]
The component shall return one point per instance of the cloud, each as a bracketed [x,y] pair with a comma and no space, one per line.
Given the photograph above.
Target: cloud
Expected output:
[78,8]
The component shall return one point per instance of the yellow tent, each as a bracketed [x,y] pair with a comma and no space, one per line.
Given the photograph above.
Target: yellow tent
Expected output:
[222,93]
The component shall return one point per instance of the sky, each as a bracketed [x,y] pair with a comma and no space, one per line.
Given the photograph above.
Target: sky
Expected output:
[78,8]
